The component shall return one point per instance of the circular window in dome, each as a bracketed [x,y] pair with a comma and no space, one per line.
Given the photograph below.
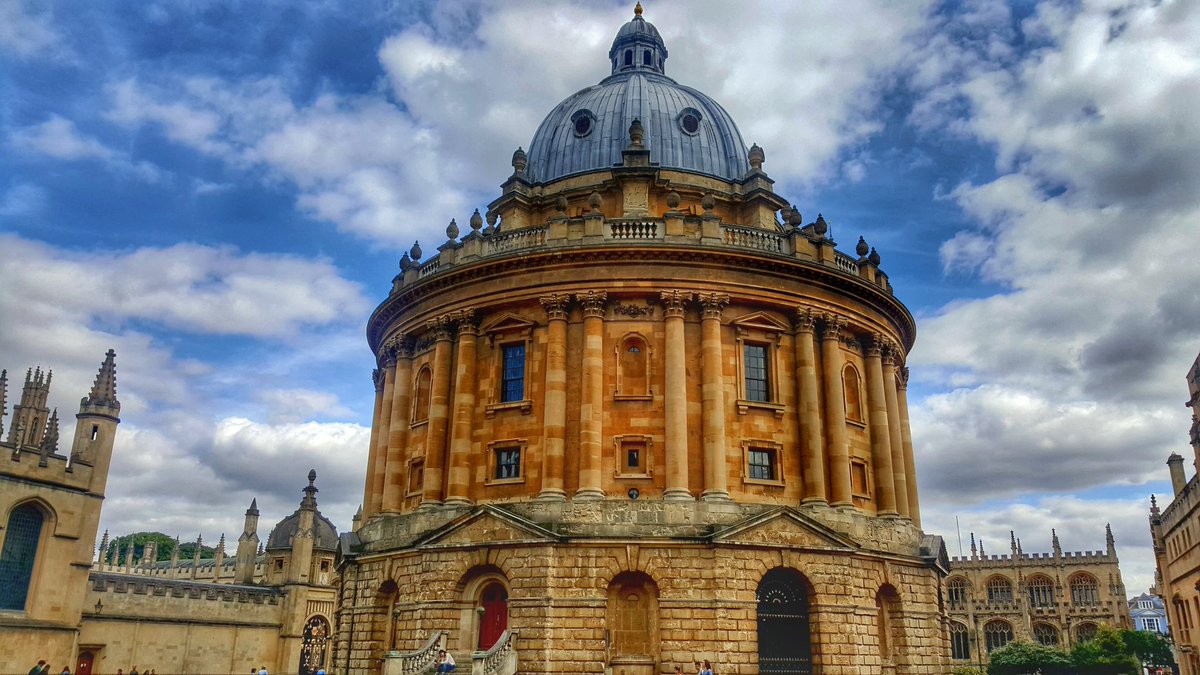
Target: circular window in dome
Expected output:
[689,121]
[583,121]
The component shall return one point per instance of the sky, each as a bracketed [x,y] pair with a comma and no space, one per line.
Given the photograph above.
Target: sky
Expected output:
[222,191]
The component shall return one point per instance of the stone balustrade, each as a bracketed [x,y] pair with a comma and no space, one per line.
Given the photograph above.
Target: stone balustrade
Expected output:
[419,662]
[500,659]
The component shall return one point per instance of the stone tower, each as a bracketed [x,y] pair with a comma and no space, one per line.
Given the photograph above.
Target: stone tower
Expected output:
[646,414]
[50,506]
[247,549]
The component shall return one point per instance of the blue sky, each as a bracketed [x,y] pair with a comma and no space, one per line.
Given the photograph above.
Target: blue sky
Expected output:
[221,192]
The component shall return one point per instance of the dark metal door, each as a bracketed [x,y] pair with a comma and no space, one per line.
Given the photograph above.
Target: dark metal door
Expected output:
[315,646]
[784,641]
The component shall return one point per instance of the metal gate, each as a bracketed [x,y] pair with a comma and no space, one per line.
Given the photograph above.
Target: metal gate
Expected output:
[784,640]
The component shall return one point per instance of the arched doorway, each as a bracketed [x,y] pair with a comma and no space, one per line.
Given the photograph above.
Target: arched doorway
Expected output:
[633,623]
[494,619]
[315,645]
[784,633]
[84,665]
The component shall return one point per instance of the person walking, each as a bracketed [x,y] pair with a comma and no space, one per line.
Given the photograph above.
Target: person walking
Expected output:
[445,662]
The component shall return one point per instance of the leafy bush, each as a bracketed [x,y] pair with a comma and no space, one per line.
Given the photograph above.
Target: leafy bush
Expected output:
[1107,654]
[1027,658]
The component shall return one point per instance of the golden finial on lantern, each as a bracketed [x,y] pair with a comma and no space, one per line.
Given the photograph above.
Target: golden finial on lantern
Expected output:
[637,9]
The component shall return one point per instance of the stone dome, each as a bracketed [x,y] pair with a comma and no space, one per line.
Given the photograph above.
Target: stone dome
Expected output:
[325,535]
[684,128]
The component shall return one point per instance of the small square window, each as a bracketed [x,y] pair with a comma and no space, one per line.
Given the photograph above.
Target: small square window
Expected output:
[762,462]
[508,463]
[633,456]
[512,385]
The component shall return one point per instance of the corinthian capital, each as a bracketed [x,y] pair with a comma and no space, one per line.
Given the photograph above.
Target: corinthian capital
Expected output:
[467,321]
[833,325]
[377,379]
[673,302]
[891,353]
[874,344]
[806,319]
[712,304]
[592,302]
[441,328]
[555,306]
[902,378]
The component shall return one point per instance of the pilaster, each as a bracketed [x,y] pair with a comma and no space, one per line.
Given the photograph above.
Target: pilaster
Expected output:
[835,411]
[812,450]
[881,446]
[554,436]
[591,409]
[716,472]
[675,395]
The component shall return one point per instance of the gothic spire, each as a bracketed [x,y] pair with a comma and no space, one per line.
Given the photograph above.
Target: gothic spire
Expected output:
[1110,543]
[1054,543]
[50,440]
[104,390]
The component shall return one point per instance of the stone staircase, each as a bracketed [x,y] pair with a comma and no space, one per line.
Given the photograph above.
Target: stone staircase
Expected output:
[501,659]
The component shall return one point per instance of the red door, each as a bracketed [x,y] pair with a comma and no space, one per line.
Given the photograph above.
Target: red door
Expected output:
[495,615]
[84,665]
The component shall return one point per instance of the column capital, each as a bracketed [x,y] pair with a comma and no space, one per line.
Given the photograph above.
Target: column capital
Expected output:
[467,321]
[387,356]
[902,378]
[592,302]
[555,306]
[806,319]
[712,304]
[891,353]
[398,346]
[874,344]
[833,325]
[377,379]
[673,302]
[441,327]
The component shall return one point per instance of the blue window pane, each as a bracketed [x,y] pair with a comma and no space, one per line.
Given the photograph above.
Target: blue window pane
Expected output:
[508,463]
[755,357]
[512,386]
[16,560]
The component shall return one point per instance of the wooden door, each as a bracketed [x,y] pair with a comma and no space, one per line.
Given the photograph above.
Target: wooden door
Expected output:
[495,615]
[84,665]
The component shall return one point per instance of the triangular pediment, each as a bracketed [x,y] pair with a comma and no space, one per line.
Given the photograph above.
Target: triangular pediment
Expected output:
[486,524]
[784,526]
[507,322]
[761,321]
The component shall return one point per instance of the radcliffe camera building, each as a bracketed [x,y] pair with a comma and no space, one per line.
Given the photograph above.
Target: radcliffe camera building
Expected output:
[1176,532]
[639,413]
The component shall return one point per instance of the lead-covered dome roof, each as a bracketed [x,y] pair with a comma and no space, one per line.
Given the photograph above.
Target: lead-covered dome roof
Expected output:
[325,535]
[684,128]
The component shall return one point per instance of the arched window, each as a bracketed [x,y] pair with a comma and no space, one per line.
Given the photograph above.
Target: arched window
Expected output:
[633,618]
[887,608]
[633,367]
[996,634]
[1084,590]
[421,401]
[960,641]
[999,591]
[384,626]
[956,591]
[21,538]
[629,57]
[853,393]
[1045,634]
[314,648]
[1086,632]
[646,58]
[1041,591]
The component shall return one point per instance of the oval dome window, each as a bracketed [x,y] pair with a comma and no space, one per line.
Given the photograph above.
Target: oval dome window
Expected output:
[689,121]
[582,121]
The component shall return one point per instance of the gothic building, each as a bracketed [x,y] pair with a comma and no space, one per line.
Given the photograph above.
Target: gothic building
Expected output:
[1175,531]
[641,413]
[1057,599]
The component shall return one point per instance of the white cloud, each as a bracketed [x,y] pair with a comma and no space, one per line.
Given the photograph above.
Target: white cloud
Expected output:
[27,34]
[299,405]
[59,138]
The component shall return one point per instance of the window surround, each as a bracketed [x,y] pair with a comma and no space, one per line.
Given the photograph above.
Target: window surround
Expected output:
[759,328]
[519,444]
[420,417]
[776,450]
[416,468]
[506,330]
[621,393]
[861,420]
[621,469]
[863,466]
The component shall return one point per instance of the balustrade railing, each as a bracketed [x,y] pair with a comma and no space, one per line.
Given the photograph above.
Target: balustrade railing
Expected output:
[516,240]
[430,267]
[845,262]
[633,229]
[422,661]
[501,659]
[748,237]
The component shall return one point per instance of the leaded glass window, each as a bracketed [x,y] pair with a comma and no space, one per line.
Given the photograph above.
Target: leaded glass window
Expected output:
[1084,590]
[999,591]
[957,592]
[960,642]
[1045,634]
[21,538]
[1041,592]
[996,634]
[757,384]
[1086,632]
[512,386]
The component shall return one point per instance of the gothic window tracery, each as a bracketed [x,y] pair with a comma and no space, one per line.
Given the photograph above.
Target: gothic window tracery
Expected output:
[996,634]
[22,534]
[999,591]
[1045,634]
[1084,590]
[960,641]
[1086,632]
[956,591]
[1041,591]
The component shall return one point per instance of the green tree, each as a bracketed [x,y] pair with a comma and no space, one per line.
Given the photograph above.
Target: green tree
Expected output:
[1107,654]
[139,540]
[1150,648]
[1025,658]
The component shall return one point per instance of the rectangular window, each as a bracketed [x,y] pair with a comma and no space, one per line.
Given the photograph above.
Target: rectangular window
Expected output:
[757,386]
[512,385]
[95,431]
[762,464]
[633,459]
[508,463]
[1150,624]
[416,477]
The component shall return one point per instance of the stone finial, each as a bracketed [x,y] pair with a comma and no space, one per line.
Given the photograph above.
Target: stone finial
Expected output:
[1054,544]
[794,218]
[637,9]
[491,219]
[415,251]
[873,256]
[861,247]
[253,510]
[707,202]
[595,201]
[310,492]
[560,204]
[104,390]
[636,133]
[519,161]
[756,157]
[820,226]
[476,221]
[405,262]
[974,551]
[673,200]
[452,230]
[1154,505]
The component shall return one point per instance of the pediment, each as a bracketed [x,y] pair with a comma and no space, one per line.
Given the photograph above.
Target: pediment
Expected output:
[486,524]
[761,321]
[507,322]
[784,526]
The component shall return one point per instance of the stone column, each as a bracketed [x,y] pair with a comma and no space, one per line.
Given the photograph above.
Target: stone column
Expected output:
[458,479]
[675,396]
[812,449]
[439,412]
[910,468]
[554,436]
[894,438]
[377,378]
[716,472]
[591,409]
[881,444]
[379,465]
[835,412]
[393,482]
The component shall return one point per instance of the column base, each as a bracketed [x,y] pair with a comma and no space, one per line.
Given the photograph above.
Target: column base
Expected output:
[891,515]
[457,501]
[552,495]
[427,504]
[588,495]
[813,501]
[678,495]
[715,496]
